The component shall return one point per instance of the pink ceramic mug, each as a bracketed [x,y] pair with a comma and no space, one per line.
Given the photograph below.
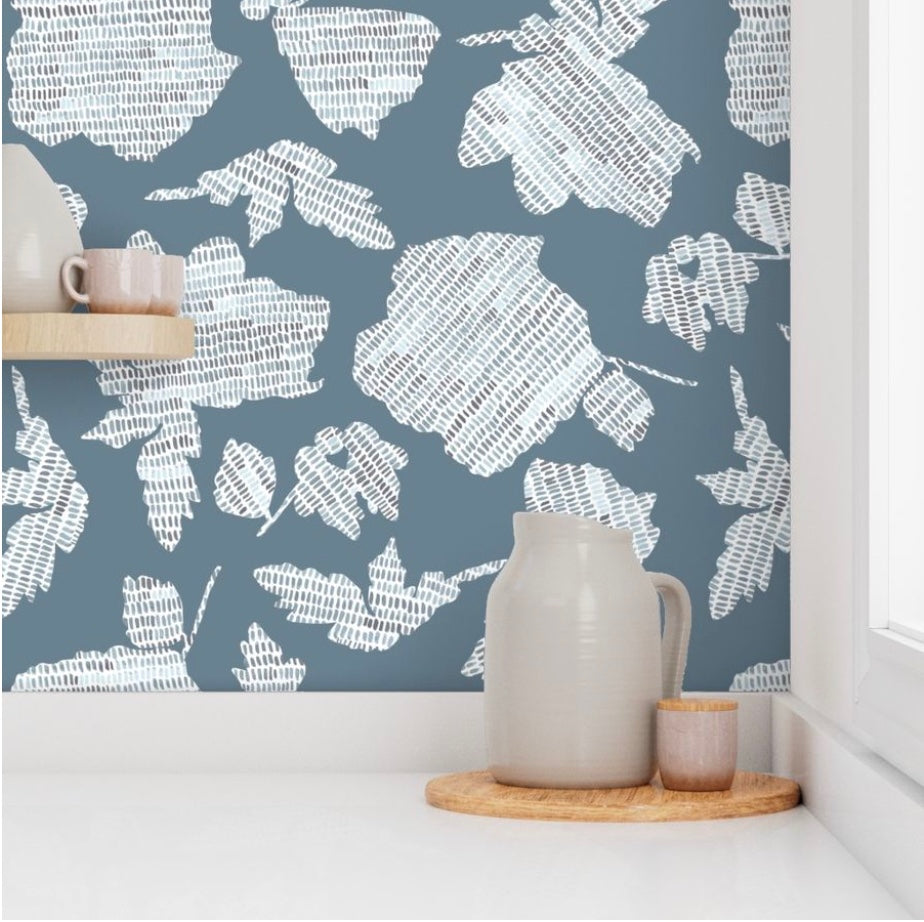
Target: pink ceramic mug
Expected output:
[114,281]
[167,292]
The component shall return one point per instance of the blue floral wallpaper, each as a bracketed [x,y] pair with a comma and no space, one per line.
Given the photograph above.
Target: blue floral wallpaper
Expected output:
[446,262]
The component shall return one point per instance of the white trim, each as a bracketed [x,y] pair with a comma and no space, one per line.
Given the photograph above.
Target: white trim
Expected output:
[873,809]
[873,425]
[299,732]
[828,285]
[890,707]
[900,58]
[888,668]
[840,408]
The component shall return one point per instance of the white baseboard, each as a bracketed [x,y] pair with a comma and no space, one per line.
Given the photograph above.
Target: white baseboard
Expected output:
[872,808]
[299,732]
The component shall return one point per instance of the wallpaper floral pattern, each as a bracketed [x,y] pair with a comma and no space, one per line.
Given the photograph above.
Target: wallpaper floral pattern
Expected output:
[399,348]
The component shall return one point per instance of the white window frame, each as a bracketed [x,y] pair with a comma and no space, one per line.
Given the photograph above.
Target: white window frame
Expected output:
[897,78]
[888,665]
[846,663]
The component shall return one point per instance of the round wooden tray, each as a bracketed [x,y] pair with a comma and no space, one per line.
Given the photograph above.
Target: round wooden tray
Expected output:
[751,794]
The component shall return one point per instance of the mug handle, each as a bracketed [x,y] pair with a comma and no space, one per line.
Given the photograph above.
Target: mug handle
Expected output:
[74,262]
[678,614]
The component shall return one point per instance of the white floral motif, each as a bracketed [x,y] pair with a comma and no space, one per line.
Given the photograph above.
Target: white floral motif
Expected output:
[131,76]
[50,488]
[253,340]
[573,122]
[266,176]
[758,67]
[763,210]
[763,677]
[747,561]
[481,347]
[75,203]
[246,480]
[153,617]
[266,670]
[680,299]
[352,65]
[376,621]
[474,665]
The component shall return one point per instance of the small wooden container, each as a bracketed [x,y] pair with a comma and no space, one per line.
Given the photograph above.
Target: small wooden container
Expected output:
[697,743]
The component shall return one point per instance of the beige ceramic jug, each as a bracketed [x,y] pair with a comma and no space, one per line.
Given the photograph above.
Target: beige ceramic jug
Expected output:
[38,235]
[574,658]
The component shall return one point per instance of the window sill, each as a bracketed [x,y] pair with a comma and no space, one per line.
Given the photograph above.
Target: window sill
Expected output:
[876,811]
[888,711]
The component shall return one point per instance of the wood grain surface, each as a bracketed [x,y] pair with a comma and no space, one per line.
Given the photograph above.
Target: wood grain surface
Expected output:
[697,704]
[96,336]
[751,794]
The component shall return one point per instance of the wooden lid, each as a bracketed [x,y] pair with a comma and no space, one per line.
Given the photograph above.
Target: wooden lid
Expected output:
[697,704]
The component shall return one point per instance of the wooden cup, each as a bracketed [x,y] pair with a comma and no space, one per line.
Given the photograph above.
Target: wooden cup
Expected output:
[697,743]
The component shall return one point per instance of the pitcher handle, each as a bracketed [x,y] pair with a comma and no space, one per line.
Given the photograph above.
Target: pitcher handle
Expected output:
[677,617]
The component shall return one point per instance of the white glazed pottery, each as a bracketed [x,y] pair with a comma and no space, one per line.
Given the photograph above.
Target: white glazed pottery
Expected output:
[574,659]
[38,235]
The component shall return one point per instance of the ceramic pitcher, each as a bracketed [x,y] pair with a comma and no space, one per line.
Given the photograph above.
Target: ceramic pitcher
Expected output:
[574,658]
[38,235]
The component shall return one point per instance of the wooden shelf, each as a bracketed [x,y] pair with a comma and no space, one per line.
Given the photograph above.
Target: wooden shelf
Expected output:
[96,336]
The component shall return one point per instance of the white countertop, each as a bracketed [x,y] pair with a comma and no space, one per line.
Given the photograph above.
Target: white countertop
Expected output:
[305,846]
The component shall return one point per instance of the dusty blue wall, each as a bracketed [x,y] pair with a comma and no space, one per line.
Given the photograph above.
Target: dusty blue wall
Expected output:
[448,517]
